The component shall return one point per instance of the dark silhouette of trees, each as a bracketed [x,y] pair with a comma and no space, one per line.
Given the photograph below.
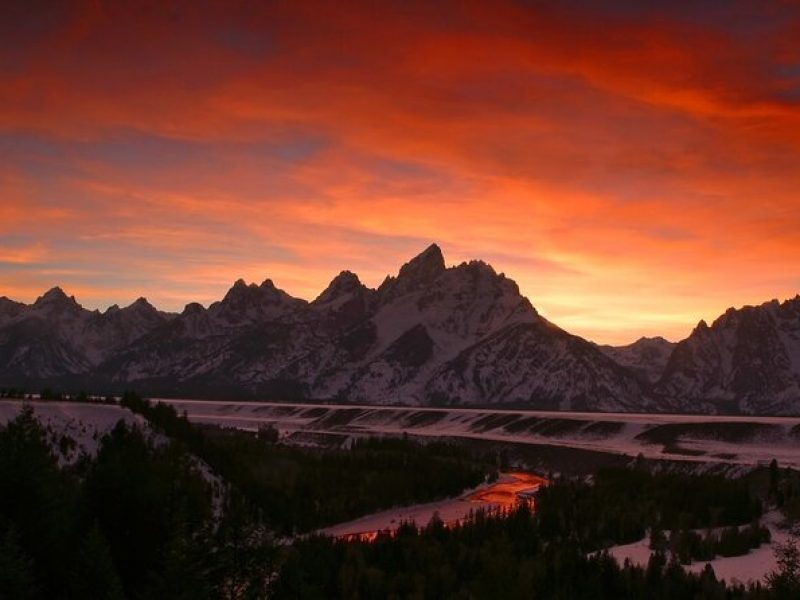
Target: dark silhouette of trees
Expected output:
[785,581]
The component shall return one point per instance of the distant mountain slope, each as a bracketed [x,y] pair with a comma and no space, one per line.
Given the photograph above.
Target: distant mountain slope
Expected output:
[55,336]
[748,361]
[538,364]
[429,335]
[646,356]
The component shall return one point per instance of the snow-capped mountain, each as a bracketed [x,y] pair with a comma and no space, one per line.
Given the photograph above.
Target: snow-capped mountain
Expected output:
[432,334]
[396,344]
[647,356]
[55,336]
[748,361]
[538,364]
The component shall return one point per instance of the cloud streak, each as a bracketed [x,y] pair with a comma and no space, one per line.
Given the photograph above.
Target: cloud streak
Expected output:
[633,168]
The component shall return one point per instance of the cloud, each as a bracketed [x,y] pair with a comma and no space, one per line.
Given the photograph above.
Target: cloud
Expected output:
[612,158]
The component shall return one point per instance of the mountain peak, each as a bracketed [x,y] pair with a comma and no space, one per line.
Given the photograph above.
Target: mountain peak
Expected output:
[54,293]
[241,288]
[193,308]
[344,283]
[653,340]
[55,296]
[428,262]
[417,273]
[346,277]
[142,303]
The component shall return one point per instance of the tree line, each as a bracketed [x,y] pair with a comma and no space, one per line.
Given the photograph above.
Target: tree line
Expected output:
[139,520]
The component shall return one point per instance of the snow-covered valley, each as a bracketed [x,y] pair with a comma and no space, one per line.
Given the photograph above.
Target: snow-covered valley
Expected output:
[751,567]
[739,442]
[733,440]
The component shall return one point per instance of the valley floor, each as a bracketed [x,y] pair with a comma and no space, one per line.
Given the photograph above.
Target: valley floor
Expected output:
[729,440]
[751,567]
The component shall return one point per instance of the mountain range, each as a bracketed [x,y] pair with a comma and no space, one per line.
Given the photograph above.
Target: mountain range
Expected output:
[431,335]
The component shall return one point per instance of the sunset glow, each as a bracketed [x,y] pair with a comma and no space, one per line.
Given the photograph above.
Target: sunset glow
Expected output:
[633,167]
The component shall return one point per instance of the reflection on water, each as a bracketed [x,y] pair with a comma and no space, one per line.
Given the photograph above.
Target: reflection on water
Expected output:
[504,494]
[510,489]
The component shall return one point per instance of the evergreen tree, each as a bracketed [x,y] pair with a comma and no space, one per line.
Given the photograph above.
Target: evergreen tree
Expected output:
[94,574]
[785,581]
[17,578]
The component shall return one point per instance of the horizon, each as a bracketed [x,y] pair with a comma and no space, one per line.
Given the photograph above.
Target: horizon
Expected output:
[633,179]
[206,304]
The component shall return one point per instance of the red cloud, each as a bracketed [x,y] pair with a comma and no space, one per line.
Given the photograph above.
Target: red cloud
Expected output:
[625,159]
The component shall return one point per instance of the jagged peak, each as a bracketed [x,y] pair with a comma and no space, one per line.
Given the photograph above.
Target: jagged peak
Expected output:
[142,303]
[346,277]
[344,283]
[479,265]
[790,301]
[112,309]
[480,270]
[193,308]
[774,308]
[8,301]
[270,290]
[646,342]
[429,262]
[243,297]
[655,338]
[54,292]
[239,289]
[417,273]
[55,295]
[346,280]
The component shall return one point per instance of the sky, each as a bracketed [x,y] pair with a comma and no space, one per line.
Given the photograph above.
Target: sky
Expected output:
[633,166]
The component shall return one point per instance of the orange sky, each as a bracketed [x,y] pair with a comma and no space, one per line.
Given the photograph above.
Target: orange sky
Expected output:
[633,166]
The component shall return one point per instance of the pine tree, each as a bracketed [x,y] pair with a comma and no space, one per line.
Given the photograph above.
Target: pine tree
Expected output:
[95,575]
[16,569]
[785,581]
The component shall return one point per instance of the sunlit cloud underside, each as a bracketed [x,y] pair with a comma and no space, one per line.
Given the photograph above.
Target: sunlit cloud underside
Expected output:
[634,167]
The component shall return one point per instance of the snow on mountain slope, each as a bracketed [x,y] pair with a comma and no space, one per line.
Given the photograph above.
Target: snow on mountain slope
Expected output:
[351,342]
[56,336]
[646,356]
[748,360]
[439,313]
[538,365]
[430,334]
[247,304]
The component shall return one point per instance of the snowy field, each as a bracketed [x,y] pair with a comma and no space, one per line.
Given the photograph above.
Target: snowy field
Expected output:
[734,440]
[85,423]
[754,566]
